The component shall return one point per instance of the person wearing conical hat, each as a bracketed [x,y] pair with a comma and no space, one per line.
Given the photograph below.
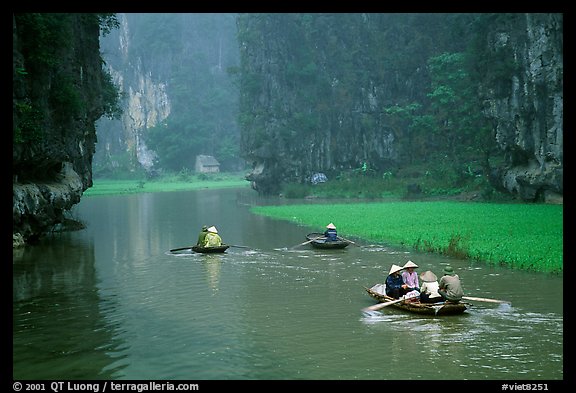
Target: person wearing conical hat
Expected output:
[212,238]
[410,277]
[395,286]
[450,287]
[330,233]
[429,289]
[202,236]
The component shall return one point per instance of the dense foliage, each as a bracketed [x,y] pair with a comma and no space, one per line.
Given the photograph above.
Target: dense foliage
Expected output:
[44,39]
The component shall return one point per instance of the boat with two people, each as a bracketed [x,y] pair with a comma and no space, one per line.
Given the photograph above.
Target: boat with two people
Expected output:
[210,250]
[204,250]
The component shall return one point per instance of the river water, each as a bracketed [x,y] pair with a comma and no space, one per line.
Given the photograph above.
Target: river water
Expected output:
[111,302]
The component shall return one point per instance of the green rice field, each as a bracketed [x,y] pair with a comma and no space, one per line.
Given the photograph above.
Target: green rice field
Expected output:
[520,236]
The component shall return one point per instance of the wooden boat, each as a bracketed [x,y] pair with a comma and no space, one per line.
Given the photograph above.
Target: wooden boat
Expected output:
[323,244]
[378,292]
[210,250]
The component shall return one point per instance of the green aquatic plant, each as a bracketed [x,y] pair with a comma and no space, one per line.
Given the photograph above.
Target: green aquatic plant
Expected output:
[522,236]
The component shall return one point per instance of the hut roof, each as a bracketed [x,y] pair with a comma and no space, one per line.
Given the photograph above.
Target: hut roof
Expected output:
[207,160]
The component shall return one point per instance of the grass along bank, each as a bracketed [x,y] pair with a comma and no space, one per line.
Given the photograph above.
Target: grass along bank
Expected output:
[175,182]
[519,236]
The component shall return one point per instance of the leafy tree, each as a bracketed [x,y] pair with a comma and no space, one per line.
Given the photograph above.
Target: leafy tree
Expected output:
[456,107]
[403,120]
[452,123]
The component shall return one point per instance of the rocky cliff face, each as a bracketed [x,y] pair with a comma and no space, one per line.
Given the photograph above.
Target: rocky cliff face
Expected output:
[528,111]
[369,62]
[58,94]
[146,103]
[172,69]
[313,91]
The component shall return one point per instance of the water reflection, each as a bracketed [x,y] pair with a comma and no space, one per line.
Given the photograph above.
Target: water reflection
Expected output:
[58,324]
[211,263]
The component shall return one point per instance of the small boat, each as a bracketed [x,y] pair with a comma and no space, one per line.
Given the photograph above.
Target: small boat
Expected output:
[442,308]
[322,243]
[210,250]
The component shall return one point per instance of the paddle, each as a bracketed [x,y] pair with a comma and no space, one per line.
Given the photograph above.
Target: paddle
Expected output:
[482,299]
[349,241]
[382,305]
[232,245]
[309,241]
[181,248]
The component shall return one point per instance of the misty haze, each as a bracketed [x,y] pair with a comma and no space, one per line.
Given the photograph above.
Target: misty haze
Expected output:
[272,196]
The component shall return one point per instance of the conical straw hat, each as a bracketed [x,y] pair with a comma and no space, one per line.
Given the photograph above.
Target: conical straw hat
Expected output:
[410,264]
[428,276]
[395,268]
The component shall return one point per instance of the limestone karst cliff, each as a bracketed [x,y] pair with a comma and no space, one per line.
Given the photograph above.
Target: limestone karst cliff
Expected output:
[59,91]
[327,92]
[528,108]
[179,100]
[145,102]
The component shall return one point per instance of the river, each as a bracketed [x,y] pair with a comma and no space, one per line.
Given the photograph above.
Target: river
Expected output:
[111,302]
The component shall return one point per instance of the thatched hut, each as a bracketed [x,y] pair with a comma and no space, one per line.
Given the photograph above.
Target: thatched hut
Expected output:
[207,164]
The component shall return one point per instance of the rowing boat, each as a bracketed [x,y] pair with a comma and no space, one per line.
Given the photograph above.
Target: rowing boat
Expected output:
[323,243]
[210,250]
[413,305]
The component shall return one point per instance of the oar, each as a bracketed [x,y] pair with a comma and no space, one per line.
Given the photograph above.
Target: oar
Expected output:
[233,245]
[382,305]
[482,299]
[181,248]
[309,241]
[349,241]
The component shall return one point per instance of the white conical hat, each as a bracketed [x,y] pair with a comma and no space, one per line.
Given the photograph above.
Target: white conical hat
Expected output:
[409,264]
[212,229]
[428,276]
[331,226]
[395,268]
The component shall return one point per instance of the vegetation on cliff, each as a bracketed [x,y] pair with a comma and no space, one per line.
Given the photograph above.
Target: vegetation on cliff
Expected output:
[181,101]
[45,44]
[328,92]
[59,90]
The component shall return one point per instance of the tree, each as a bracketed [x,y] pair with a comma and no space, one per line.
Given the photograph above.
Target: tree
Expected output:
[456,108]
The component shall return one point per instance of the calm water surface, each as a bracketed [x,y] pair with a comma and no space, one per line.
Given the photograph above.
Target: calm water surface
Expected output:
[111,302]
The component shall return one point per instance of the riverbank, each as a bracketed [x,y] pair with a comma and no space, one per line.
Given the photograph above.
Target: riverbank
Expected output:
[166,184]
[519,236]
